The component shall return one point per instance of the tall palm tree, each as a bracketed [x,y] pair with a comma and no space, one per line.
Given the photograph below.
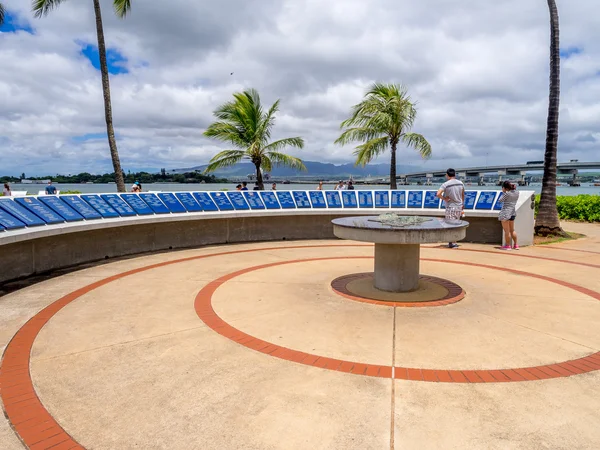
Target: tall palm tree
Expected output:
[383,118]
[122,7]
[1,14]
[246,126]
[547,221]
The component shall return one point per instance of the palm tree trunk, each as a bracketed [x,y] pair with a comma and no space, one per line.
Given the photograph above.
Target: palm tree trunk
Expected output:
[112,143]
[393,184]
[259,177]
[547,221]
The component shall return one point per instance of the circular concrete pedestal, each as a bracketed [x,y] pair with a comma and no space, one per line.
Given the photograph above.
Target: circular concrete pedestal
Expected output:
[397,267]
[397,248]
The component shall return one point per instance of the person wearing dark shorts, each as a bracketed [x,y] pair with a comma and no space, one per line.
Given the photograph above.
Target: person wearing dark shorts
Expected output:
[508,214]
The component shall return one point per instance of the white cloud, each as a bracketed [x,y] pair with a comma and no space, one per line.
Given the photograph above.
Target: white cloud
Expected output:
[478,70]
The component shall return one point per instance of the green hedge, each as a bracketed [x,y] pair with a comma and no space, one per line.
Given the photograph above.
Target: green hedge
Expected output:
[585,208]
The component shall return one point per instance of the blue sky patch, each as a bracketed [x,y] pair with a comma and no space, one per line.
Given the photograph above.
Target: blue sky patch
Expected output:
[89,137]
[117,63]
[570,51]
[12,24]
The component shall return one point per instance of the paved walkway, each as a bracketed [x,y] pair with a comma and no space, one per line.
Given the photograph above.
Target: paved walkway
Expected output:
[250,347]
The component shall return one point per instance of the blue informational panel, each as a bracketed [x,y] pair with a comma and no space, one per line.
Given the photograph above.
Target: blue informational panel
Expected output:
[81,207]
[349,199]
[270,200]
[382,199]
[365,199]
[9,222]
[333,199]
[286,200]
[118,204]
[237,200]
[61,208]
[317,199]
[188,201]
[171,202]
[39,209]
[470,197]
[17,211]
[398,199]
[205,201]
[255,202]
[498,204]
[221,200]
[100,205]
[158,207]
[431,200]
[301,199]
[415,199]
[138,205]
[486,200]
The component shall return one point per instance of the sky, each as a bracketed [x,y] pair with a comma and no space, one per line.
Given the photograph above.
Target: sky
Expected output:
[478,72]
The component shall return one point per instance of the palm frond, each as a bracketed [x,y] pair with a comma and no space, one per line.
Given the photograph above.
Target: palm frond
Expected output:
[122,7]
[359,134]
[368,151]
[225,158]
[275,146]
[265,163]
[41,8]
[268,122]
[418,142]
[226,132]
[282,159]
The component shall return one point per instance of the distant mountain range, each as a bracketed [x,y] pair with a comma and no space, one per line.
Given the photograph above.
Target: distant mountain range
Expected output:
[315,169]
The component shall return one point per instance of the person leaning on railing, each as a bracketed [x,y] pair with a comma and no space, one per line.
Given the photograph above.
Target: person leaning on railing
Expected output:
[508,214]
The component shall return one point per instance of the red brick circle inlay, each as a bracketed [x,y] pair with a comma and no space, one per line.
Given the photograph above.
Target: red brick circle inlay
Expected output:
[577,366]
[455,292]
[37,429]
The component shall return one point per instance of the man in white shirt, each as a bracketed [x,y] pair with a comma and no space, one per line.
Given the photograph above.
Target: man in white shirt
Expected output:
[453,193]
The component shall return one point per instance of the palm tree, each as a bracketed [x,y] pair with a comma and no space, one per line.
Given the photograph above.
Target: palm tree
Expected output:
[1,14]
[383,118]
[246,126]
[122,7]
[547,221]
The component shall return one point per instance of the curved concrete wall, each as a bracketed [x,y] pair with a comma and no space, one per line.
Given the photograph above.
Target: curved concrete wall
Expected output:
[38,250]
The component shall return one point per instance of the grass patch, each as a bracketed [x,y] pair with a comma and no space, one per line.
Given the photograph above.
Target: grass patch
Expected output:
[545,240]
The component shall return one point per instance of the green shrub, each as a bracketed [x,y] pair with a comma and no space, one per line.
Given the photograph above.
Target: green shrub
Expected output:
[70,192]
[585,208]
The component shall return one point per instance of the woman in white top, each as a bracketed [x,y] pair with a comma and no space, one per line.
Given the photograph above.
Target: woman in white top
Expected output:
[6,191]
[509,198]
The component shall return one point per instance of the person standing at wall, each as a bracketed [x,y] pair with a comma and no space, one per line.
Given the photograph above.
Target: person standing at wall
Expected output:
[6,191]
[453,193]
[50,190]
[508,214]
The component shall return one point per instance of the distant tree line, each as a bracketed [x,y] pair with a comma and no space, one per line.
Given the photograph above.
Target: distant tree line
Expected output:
[142,177]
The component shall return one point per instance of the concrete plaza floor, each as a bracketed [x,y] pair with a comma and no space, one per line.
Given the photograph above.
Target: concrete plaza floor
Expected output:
[249,347]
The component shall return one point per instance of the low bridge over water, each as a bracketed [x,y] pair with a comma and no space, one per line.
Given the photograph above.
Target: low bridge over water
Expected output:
[520,170]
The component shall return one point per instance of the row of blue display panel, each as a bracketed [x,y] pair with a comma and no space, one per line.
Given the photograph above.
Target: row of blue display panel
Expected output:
[37,211]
